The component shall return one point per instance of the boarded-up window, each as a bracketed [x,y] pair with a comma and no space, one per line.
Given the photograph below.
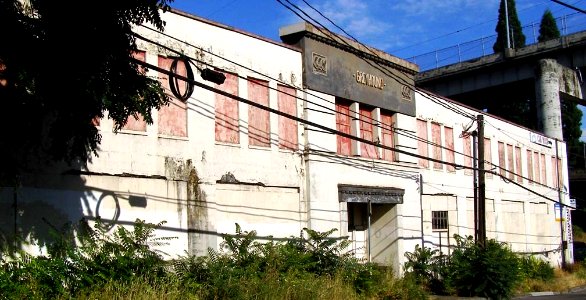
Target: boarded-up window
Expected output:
[287,127]
[366,132]
[511,162]
[259,132]
[487,157]
[449,137]
[536,168]
[518,165]
[502,161]
[422,142]
[132,123]
[436,138]
[530,165]
[468,154]
[387,134]
[556,165]
[227,111]
[172,117]
[343,125]
[543,170]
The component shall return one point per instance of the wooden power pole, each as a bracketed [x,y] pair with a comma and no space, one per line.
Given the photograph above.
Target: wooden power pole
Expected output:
[481,184]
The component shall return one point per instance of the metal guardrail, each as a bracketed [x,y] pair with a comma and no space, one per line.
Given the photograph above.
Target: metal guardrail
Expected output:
[567,24]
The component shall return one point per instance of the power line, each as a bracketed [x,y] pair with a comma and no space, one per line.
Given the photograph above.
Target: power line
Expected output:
[368,48]
[320,27]
[569,6]
[325,128]
[378,124]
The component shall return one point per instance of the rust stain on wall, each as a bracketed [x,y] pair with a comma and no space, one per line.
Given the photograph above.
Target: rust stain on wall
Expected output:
[197,209]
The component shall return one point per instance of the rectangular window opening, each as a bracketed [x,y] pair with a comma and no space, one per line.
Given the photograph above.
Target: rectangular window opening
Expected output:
[439,220]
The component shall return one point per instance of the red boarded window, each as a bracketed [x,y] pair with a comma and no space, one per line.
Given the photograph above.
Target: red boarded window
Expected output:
[449,137]
[343,125]
[487,157]
[422,142]
[511,162]
[468,154]
[172,117]
[386,119]
[502,161]
[366,132]
[436,138]
[287,127]
[518,165]
[133,123]
[258,119]
[543,170]
[227,111]
[536,168]
[530,166]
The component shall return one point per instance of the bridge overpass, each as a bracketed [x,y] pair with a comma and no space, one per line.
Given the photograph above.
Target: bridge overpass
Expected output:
[494,82]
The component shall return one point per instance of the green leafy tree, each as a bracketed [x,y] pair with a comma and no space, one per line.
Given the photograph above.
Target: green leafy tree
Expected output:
[62,65]
[572,131]
[548,28]
[517,37]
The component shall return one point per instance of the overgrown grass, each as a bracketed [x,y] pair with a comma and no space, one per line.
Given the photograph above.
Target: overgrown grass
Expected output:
[562,280]
[123,265]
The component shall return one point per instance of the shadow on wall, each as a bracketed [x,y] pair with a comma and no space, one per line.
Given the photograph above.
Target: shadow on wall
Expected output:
[41,206]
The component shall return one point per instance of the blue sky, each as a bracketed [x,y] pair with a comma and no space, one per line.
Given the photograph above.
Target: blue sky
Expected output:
[404,28]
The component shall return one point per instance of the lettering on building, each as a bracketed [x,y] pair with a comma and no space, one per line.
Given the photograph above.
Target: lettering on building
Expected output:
[320,64]
[539,139]
[369,80]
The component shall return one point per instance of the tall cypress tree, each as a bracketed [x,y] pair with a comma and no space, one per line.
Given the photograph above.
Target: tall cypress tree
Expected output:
[517,37]
[548,28]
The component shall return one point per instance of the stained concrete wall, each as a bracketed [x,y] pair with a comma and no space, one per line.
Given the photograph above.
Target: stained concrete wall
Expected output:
[200,187]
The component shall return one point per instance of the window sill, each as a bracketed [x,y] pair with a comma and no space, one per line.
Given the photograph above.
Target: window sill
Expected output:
[233,145]
[132,132]
[170,137]
[265,148]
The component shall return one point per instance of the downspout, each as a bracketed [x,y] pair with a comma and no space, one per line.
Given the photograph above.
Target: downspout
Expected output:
[421,206]
[369,214]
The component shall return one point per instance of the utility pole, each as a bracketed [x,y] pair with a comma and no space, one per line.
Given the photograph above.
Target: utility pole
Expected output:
[475,178]
[481,183]
[564,245]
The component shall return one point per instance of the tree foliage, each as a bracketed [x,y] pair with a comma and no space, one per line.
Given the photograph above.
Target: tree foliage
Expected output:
[516,35]
[62,65]
[548,28]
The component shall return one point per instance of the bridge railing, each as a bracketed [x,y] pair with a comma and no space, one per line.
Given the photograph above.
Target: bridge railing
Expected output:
[567,24]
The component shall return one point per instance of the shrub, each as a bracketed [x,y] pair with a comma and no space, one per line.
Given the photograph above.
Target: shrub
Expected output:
[491,271]
[535,268]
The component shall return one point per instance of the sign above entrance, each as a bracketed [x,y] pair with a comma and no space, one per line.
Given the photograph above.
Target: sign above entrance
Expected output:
[365,194]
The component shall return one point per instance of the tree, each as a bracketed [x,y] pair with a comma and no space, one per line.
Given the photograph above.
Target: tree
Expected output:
[517,37]
[548,28]
[62,65]
[571,128]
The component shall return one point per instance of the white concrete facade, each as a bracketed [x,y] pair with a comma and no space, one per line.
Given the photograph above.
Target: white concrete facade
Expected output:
[202,187]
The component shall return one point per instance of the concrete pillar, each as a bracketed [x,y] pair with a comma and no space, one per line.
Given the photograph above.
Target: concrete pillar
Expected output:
[547,87]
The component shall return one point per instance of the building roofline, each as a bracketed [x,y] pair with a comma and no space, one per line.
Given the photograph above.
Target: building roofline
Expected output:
[230,28]
[485,113]
[292,33]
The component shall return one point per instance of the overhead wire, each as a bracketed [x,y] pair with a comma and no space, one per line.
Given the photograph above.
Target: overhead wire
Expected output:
[313,124]
[323,29]
[370,50]
[378,145]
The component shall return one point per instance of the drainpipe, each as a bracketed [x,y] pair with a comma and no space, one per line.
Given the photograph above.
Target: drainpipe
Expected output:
[421,206]
[369,214]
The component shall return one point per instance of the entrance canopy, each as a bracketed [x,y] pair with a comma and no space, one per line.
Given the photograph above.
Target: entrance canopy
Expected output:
[365,194]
